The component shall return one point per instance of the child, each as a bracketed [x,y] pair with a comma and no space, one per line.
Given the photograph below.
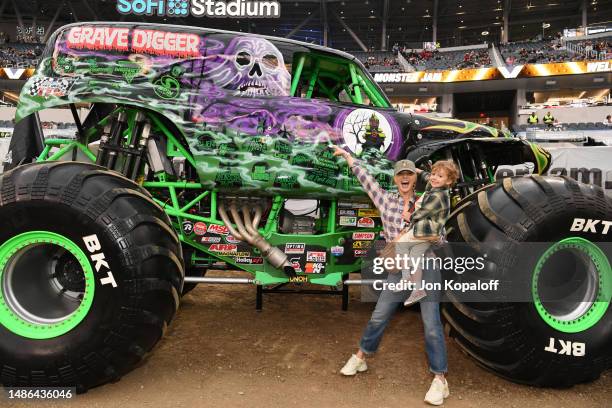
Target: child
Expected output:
[427,222]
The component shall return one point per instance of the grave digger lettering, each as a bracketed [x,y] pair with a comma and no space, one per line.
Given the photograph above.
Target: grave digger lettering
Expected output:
[92,243]
[142,41]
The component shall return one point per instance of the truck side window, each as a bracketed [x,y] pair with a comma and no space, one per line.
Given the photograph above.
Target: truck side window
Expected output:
[334,78]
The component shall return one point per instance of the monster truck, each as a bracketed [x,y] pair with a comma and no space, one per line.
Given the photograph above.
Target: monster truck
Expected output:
[191,146]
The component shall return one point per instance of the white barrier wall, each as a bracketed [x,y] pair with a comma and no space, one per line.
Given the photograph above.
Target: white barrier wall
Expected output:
[569,115]
[46,115]
[592,165]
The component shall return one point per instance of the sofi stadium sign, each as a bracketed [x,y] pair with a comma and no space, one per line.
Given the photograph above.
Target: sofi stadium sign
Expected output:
[481,74]
[200,8]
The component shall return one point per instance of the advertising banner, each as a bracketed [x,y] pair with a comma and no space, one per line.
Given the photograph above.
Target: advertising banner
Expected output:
[481,74]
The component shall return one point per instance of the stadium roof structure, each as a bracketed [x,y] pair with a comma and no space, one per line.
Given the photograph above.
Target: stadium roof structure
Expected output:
[354,24]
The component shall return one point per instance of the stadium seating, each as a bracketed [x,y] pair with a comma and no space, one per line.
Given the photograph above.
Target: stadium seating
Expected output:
[440,60]
[593,49]
[536,52]
[379,61]
[16,55]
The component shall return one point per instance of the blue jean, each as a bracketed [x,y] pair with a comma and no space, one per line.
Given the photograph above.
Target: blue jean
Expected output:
[388,303]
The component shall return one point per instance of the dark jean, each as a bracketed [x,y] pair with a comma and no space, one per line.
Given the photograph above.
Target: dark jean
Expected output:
[388,303]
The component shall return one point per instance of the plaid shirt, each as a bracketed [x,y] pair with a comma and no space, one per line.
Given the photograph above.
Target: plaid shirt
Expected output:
[429,220]
[390,205]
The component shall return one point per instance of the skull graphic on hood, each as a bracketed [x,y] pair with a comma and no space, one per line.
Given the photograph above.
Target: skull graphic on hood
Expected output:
[250,66]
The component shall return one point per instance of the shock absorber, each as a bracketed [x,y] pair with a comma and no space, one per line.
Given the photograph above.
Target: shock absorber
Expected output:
[103,144]
[115,140]
[130,151]
[142,145]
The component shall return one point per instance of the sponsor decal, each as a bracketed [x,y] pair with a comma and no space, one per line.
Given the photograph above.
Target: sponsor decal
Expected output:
[218,229]
[295,263]
[590,225]
[230,238]
[50,86]
[293,248]
[153,42]
[369,212]
[565,347]
[201,8]
[344,204]
[337,250]
[362,244]
[199,228]
[223,248]
[365,222]
[363,236]
[210,240]
[187,227]
[315,256]
[127,69]
[298,279]
[248,260]
[314,267]
[360,253]
[92,243]
[167,87]
[344,211]
[350,221]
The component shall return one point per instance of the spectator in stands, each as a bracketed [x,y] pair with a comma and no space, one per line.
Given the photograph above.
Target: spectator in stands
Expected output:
[549,120]
[533,119]
[608,121]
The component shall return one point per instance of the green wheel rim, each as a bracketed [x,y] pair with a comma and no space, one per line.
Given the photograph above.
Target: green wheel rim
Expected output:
[587,313]
[15,317]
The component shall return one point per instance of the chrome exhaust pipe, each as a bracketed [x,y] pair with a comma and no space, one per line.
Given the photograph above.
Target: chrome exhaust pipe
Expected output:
[247,231]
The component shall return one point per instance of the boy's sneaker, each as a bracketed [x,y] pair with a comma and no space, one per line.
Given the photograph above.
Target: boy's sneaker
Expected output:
[415,296]
[437,392]
[353,366]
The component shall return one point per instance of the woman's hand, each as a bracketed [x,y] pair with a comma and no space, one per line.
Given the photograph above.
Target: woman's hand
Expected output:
[338,151]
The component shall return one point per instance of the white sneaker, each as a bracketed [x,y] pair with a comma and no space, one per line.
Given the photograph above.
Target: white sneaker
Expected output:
[437,392]
[415,296]
[353,366]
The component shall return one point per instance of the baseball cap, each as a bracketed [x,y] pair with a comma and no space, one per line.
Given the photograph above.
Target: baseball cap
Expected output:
[404,165]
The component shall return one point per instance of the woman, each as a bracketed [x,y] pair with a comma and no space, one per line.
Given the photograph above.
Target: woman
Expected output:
[395,211]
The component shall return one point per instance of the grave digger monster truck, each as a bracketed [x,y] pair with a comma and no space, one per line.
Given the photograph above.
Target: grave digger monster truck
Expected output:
[193,143]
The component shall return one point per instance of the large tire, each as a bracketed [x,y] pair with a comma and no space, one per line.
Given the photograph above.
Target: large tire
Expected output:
[553,344]
[101,280]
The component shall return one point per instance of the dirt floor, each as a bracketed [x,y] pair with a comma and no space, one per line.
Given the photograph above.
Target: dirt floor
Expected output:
[220,352]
